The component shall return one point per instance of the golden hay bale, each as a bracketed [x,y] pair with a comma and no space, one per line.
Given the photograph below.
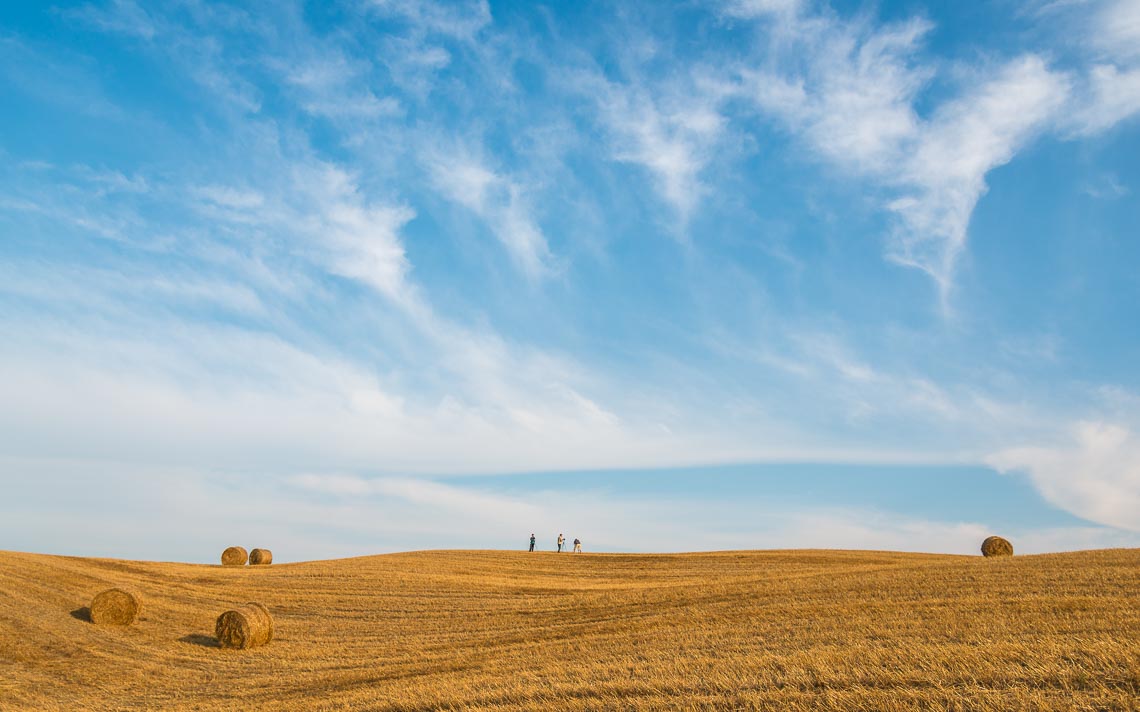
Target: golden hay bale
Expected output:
[996,546]
[234,556]
[260,557]
[115,607]
[246,626]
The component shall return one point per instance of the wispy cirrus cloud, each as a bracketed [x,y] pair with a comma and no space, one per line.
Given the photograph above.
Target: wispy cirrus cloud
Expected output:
[944,176]
[1110,92]
[501,201]
[333,87]
[1116,25]
[672,135]
[1106,187]
[462,20]
[850,90]
[121,17]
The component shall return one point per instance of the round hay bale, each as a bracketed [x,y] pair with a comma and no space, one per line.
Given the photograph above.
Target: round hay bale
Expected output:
[260,557]
[244,627]
[996,546]
[115,607]
[234,556]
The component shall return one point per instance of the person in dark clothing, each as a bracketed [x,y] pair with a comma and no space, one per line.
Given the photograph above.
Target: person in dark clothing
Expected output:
[532,541]
[577,546]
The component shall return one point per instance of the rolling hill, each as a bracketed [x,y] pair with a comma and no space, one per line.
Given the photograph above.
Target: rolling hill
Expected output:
[493,630]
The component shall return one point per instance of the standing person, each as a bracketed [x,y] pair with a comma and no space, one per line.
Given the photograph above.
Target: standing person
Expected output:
[577,546]
[532,541]
[561,541]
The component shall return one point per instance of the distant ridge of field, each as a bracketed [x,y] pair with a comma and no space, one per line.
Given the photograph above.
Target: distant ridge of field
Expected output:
[493,630]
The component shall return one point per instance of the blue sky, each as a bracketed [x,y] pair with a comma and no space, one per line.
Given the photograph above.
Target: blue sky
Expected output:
[341,278]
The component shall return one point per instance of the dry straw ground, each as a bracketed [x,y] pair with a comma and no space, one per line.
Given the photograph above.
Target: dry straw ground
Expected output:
[497,630]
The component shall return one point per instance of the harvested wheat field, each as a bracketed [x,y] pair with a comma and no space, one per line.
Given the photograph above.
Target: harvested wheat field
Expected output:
[486,630]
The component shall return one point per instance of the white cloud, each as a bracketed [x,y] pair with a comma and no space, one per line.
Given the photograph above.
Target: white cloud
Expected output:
[114,182]
[130,383]
[1096,476]
[153,389]
[333,87]
[499,200]
[850,91]
[760,8]
[464,180]
[365,105]
[672,133]
[472,386]
[1106,187]
[1117,29]
[438,496]
[459,20]
[1110,96]
[413,63]
[1043,541]
[109,294]
[853,97]
[1108,34]
[363,243]
[230,197]
[321,207]
[944,175]
[123,17]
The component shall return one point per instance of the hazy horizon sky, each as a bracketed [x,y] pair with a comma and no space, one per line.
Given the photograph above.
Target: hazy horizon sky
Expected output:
[373,275]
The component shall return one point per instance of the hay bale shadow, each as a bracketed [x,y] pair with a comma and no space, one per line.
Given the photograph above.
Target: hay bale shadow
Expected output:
[206,641]
[82,614]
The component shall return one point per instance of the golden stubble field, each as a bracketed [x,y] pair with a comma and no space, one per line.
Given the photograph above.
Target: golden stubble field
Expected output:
[492,630]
